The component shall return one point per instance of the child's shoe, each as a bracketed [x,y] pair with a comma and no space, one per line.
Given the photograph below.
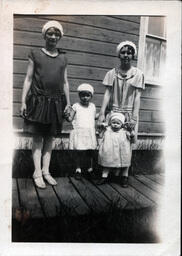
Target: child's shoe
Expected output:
[78,174]
[39,182]
[102,181]
[115,179]
[124,181]
[47,176]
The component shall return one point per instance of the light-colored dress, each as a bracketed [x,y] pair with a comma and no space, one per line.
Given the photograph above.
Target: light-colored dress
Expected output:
[114,149]
[83,136]
[123,90]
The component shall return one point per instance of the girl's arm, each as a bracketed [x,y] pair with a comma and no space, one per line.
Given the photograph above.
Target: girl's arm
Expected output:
[26,86]
[136,106]
[66,89]
[105,102]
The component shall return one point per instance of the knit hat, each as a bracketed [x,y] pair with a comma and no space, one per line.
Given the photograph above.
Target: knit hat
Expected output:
[52,24]
[118,116]
[124,43]
[85,87]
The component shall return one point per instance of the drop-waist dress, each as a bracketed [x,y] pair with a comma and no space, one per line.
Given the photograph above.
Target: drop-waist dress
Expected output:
[123,91]
[46,101]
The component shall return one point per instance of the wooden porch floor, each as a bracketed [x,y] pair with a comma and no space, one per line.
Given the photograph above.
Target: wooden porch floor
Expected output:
[73,197]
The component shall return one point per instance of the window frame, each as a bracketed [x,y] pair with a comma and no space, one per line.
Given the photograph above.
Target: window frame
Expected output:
[144,20]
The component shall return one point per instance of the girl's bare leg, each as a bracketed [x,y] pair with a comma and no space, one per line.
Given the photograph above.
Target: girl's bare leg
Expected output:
[104,178]
[37,145]
[78,170]
[105,172]
[46,157]
[124,171]
[117,172]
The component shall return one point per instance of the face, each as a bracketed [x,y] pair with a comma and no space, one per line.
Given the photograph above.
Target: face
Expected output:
[85,97]
[52,36]
[126,54]
[116,124]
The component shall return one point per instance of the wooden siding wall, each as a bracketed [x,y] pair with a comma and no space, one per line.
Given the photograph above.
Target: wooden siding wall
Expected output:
[90,43]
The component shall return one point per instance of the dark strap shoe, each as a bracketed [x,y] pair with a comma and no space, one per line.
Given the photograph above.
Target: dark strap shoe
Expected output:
[124,181]
[78,175]
[102,181]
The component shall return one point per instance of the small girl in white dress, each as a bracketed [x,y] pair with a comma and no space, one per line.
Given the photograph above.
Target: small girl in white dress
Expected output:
[114,148]
[83,135]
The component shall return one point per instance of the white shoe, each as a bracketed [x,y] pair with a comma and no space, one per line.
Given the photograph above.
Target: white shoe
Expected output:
[39,182]
[47,176]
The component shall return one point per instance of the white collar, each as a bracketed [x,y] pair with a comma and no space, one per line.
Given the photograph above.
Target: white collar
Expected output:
[50,54]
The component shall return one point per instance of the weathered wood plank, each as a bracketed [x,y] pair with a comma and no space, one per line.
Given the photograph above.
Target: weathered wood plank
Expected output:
[157,178]
[76,30]
[29,199]
[148,127]
[143,126]
[162,174]
[151,116]
[83,45]
[81,72]
[116,198]
[95,200]
[70,198]
[145,116]
[77,19]
[49,201]
[152,92]
[97,99]
[15,198]
[149,183]
[102,22]
[137,199]
[18,124]
[74,58]
[143,189]
[150,104]
[127,17]
[98,86]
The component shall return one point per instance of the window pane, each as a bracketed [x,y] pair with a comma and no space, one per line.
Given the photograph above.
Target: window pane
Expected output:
[156,26]
[154,59]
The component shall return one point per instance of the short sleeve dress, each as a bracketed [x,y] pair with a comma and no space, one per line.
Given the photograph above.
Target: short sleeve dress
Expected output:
[46,101]
[114,149]
[123,90]
[83,136]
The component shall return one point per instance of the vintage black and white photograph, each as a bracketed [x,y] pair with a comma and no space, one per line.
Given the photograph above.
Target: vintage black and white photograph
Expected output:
[88,162]
[90,128]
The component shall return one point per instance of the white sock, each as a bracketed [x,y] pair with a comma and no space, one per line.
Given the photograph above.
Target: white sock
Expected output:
[78,170]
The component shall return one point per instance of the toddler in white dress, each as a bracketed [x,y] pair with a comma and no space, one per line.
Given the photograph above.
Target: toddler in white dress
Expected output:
[114,148]
[83,135]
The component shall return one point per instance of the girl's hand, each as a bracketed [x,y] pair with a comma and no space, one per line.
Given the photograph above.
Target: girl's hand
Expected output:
[132,123]
[128,135]
[69,113]
[23,110]
[67,108]
[101,119]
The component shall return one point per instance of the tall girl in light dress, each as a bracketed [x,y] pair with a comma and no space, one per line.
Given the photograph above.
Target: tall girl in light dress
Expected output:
[83,135]
[124,85]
